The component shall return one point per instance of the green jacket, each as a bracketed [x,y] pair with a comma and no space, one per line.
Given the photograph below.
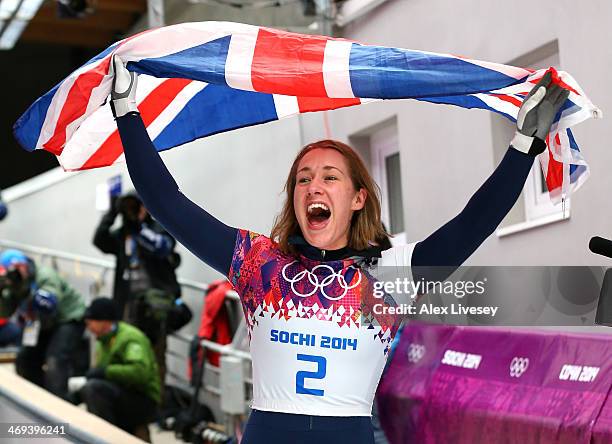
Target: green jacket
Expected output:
[70,304]
[128,359]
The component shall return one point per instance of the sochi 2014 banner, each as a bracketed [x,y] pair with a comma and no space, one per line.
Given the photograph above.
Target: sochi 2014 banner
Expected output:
[483,385]
[199,79]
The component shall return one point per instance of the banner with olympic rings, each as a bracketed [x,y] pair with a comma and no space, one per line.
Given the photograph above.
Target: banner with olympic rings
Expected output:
[482,385]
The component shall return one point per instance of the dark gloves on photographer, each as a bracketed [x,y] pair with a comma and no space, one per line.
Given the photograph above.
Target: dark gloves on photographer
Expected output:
[96,373]
[44,302]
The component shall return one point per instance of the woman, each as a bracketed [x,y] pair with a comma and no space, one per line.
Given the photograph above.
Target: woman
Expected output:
[318,348]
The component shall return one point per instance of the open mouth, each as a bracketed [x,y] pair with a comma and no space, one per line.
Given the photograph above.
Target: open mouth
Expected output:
[318,215]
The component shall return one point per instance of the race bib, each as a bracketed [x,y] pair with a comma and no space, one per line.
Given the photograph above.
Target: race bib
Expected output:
[30,333]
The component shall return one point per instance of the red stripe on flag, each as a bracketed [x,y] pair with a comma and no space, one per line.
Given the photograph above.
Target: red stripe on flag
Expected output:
[554,174]
[288,64]
[75,104]
[78,97]
[555,79]
[150,108]
[308,104]
[510,99]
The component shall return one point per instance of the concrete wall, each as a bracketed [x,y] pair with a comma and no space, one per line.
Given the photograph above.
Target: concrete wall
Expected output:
[289,15]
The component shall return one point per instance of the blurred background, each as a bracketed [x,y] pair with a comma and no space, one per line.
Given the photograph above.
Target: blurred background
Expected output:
[428,160]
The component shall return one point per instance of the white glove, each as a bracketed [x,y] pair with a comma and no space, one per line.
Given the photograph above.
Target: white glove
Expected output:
[123,94]
[537,114]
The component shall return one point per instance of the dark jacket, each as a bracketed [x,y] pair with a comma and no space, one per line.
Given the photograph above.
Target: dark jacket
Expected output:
[161,270]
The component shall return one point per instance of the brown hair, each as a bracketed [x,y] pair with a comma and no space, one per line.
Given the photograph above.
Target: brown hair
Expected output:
[366,226]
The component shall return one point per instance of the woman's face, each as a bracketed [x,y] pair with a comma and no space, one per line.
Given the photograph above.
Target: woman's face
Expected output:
[324,198]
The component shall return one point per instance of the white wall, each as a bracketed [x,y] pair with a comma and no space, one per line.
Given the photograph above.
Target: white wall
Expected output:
[446,153]
[238,177]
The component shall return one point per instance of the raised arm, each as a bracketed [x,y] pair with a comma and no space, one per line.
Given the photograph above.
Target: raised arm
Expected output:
[104,239]
[454,242]
[206,237]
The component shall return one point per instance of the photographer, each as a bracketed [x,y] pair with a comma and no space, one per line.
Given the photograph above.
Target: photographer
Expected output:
[10,332]
[145,286]
[51,312]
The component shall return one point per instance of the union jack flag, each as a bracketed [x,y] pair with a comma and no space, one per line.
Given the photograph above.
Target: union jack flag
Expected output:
[199,79]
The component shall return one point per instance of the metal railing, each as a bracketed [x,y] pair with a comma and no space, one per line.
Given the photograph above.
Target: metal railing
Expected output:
[101,263]
[109,265]
[48,252]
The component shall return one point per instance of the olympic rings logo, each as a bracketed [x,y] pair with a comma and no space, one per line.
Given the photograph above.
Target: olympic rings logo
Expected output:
[314,281]
[415,352]
[518,366]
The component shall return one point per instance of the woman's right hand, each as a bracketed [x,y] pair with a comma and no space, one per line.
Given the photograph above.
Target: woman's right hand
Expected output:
[205,236]
[123,94]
